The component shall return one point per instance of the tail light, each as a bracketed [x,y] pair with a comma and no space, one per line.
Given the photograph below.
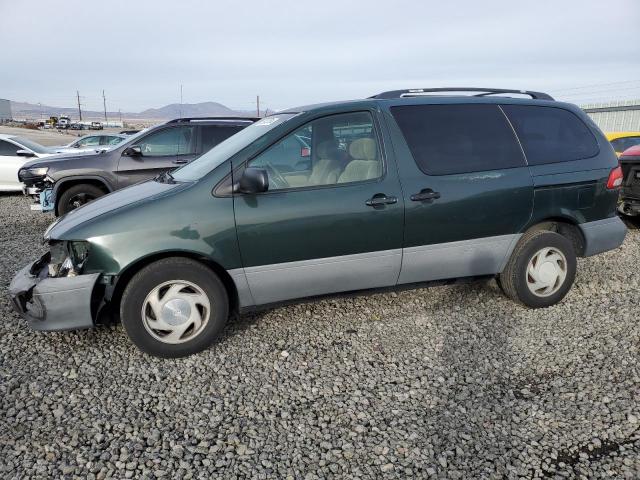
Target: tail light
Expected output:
[615,178]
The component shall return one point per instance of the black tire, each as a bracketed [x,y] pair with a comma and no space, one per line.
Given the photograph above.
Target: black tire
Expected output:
[166,270]
[514,278]
[76,196]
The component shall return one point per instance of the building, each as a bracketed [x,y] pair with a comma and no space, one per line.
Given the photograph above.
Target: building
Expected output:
[5,110]
[619,116]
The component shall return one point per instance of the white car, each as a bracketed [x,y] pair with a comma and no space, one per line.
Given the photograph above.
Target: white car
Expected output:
[91,142]
[14,152]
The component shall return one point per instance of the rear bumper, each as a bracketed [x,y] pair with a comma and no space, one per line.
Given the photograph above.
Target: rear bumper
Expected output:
[52,303]
[603,235]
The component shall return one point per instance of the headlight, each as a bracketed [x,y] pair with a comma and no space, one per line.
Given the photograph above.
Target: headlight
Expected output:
[30,173]
[38,171]
[67,258]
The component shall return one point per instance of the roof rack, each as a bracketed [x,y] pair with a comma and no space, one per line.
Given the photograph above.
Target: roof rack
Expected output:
[190,119]
[485,92]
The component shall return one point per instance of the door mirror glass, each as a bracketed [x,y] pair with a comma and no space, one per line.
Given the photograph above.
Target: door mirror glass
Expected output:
[253,180]
[133,151]
[25,153]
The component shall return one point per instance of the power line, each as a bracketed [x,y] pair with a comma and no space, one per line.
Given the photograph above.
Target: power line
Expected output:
[596,85]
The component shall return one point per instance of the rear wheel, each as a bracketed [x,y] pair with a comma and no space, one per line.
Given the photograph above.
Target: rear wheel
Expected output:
[174,307]
[541,269]
[76,196]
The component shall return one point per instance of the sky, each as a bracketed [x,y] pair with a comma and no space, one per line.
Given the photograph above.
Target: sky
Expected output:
[300,52]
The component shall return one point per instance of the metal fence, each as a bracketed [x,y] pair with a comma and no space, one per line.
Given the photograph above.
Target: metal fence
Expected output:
[619,116]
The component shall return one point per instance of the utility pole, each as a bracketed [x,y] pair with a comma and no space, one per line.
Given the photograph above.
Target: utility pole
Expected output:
[120,114]
[257,105]
[79,110]
[104,101]
[180,100]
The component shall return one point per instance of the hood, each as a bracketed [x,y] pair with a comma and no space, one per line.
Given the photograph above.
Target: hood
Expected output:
[48,159]
[135,194]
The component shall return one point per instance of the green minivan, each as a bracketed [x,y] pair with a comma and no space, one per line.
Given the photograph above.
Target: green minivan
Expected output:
[406,188]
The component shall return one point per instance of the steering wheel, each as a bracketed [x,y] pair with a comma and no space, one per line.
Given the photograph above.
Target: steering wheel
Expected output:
[278,180]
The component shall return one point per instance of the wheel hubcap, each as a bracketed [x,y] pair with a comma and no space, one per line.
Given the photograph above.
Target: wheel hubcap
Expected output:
[78,200]
[176,311]
[546,272]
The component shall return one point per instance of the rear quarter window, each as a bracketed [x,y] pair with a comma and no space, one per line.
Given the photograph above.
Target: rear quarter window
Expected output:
[453,139]
[551,134]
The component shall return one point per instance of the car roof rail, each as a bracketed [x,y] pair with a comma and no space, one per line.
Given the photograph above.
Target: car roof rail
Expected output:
[482,92]
[225,119]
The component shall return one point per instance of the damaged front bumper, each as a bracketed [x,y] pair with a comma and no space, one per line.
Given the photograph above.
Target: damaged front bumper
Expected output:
[44,200]
[52,303]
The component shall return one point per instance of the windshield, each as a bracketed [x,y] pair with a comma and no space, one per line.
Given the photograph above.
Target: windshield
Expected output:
[225,150]
[33,146]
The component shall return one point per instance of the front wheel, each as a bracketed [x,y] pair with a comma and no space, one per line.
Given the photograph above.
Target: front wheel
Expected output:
[541,269]
[76,196]
[174,307]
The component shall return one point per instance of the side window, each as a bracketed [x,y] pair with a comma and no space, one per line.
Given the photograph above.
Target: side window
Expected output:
[169,142]
[8,149]
[452,139]
[89,142]
[112,140]
[550,134]
[212,135]
[331,150]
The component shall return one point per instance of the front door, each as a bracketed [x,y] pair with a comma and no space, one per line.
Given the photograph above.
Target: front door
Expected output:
[468,191]
[10,163]
[332,218]
[163,149]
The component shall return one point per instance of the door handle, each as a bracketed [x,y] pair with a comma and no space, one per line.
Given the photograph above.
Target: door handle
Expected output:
[180,161]
[425,194]
[380,199]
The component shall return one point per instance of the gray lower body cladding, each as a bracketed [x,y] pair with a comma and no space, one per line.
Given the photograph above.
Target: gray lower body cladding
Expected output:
[66,303]
[603,235]
[53,303]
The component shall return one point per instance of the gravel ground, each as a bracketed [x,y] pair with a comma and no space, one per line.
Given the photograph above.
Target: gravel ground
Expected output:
[447,382]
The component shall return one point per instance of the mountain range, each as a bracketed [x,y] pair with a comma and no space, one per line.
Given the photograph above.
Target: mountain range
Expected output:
[24,110]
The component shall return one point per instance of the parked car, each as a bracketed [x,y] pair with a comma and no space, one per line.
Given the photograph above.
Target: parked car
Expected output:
[403,189]
[630,192]
[90,143]
[15,151]
[623,140]
[69,182]
[96,126]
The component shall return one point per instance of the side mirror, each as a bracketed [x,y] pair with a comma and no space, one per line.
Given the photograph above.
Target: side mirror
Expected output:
[25,153]
[253,180]
[134,151]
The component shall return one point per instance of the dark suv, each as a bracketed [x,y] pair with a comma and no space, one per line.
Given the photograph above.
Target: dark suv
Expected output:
[64,183]
[395,191]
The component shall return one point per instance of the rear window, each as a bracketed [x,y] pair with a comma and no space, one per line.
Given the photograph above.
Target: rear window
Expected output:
[212,135]
[550,134]
[451,139]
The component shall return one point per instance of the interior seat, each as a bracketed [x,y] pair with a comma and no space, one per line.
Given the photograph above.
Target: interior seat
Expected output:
[365,164]
[327,168]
